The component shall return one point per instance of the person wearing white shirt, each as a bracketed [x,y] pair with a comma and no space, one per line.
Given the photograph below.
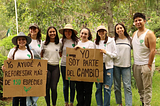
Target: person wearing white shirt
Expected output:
[84,89]
[50,52]
[70,40]
[21,51]
[122,65]
[108,48]
[35,46]
[144,49]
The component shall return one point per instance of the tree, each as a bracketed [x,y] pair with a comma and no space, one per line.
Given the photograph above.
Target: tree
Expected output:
[90,13]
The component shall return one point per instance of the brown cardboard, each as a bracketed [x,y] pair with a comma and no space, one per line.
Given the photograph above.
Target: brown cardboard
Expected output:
[84,65]
[24,78]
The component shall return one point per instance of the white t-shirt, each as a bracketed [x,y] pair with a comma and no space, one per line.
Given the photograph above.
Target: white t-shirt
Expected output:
[101,46]
[51,53]
[36,46]
[20,54]
[67,43]
[124,53]
[88,45]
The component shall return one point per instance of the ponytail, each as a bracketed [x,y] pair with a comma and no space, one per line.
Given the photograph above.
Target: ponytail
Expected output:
[15,51]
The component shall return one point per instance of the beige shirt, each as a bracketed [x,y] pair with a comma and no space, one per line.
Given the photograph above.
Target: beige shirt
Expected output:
[51,53]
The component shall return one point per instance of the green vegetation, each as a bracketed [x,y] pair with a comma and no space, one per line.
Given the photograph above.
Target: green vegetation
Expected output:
[79,13]
[135,95]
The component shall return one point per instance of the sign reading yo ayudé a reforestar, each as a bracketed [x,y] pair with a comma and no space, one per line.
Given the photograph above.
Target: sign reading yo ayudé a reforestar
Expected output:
[84,65]
[23,78]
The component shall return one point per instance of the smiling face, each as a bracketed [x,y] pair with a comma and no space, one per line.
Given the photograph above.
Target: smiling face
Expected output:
[68,33]
[52,33]
[21,41]
[101,33]
[119,30]
[33,31]
[84,34]
[139,22]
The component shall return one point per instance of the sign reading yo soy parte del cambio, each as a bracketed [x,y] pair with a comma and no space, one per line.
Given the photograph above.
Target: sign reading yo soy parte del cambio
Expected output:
[24,78]
[84,65]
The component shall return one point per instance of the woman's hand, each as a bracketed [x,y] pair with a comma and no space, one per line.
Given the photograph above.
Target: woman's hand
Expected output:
[77,47]
[3,68]
[103,51]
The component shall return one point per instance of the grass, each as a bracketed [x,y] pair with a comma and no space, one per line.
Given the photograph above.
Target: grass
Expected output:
[135,96]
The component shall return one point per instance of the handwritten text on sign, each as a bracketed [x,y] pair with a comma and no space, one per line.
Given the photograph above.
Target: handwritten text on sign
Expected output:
[24,78]
[84,65]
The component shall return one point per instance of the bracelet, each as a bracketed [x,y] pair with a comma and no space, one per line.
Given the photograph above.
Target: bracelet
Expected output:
[149,65]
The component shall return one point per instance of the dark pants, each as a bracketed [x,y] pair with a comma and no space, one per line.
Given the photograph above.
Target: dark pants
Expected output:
[16,101]
[84,93]
[66,85]
[52,81]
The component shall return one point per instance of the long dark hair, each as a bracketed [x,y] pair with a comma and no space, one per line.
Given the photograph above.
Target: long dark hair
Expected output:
[27,49]
[39,35]
[48,38]
[125,32]
[89,33]
[98,38]
[73,37]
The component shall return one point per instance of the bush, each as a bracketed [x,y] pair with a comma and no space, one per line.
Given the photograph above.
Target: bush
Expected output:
[6,45]
[3,103]
[2,58]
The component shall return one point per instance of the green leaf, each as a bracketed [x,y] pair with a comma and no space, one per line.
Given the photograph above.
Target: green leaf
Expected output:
[98,79]
[73,45]
[26,89]
[39,45]
[29,55]
[69,78]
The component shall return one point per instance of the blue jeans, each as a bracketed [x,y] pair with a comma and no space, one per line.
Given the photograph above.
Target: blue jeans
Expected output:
[125,72]
[66,85]
[107,82]
[31,101]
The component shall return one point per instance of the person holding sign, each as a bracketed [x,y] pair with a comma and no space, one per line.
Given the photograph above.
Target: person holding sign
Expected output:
[122,65]
[108,48]
[50,52]
[69,39]
[84,89]
[35,46]
[21,51]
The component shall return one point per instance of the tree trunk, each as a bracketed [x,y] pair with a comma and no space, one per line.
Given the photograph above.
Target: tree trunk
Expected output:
[110,18]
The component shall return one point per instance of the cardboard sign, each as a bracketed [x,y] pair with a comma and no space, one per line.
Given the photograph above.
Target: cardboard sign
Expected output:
[24,78]
[84,65]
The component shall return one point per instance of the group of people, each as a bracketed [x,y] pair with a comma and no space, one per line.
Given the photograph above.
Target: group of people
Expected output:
[116,62]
